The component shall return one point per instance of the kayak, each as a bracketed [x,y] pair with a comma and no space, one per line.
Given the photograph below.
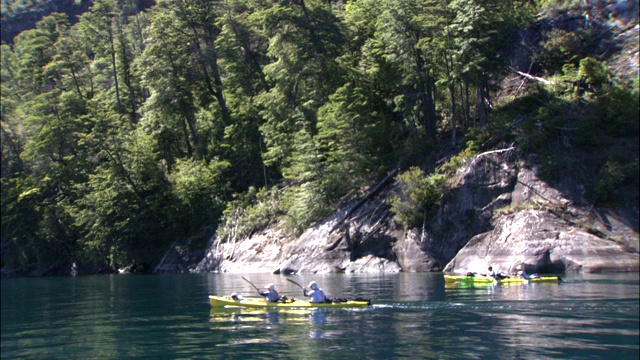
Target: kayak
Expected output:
[468,284]
[217,301]
[489,279]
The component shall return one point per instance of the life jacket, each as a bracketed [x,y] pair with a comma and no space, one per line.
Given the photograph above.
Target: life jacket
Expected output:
[317,296]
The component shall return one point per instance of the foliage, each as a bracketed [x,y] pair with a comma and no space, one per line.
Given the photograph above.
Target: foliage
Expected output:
[618,180]
[201,189]
[563,47]
[456,162]
[130,129]
[612,106]
[418,194]
[555,4]
[248,212]
[125,215]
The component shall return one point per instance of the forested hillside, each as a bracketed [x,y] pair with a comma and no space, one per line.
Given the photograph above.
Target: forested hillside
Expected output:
[130,130]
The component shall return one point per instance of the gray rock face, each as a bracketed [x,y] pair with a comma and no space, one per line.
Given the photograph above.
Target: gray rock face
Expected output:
[544,231]
[317,250]
[497,213]
[544,242]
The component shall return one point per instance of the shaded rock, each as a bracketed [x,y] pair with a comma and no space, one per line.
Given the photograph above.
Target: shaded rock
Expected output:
[411,255]
[363,243]
[481,187]
[181,259]
[543,230]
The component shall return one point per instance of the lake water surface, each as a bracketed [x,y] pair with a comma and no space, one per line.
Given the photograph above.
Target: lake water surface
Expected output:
[413,315]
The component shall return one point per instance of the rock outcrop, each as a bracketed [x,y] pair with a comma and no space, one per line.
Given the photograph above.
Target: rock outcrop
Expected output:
[498,213]
[364,246]
[545,242]
[545,230]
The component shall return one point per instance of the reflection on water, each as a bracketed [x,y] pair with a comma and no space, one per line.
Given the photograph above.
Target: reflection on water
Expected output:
[412,316]
[236,317]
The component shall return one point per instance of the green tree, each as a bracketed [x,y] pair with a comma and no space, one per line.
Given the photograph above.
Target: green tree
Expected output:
[48,156]
[305,199]
[198,21]
[418,194]
[345,125]
[167,71]
[400,30]
[304,42]
[477,31]
[243,48]
[201,189]
[98,27]
[125,215]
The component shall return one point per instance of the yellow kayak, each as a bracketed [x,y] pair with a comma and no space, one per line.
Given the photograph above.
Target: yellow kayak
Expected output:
[489,279]
[217,301]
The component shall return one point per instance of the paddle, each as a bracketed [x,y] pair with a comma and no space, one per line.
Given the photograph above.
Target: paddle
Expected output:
[255,287]
[300,286]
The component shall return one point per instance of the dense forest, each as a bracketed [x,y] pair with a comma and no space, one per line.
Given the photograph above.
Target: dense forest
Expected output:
[133,129]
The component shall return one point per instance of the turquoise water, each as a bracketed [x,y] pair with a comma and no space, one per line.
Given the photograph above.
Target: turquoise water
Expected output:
[413,316]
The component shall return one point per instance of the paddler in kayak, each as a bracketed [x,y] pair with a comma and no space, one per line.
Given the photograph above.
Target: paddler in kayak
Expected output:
[316,294]
[495,275]
[521,273]
[271,295]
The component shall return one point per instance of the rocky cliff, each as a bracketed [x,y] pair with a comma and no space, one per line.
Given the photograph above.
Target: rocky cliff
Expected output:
[498,213]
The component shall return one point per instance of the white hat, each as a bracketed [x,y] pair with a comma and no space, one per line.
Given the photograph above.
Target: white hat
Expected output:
[313,285]
[270,286]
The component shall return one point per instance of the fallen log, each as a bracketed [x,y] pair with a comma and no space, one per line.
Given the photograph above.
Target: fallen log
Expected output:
[371,193]
[535,78]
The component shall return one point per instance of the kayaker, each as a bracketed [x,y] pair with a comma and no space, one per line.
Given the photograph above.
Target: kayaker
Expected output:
[316,294]
[271,295]
[524,275]
[495,275]
[490,272]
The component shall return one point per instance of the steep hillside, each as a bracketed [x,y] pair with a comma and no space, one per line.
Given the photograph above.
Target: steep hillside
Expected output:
[319,135]
[555,205]
[18,17]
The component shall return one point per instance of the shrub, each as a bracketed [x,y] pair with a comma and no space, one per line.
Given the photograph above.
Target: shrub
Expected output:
[562,47]
[456,162]
[303,205]
[474,139]
[617,180]
[418,194]
[249,212]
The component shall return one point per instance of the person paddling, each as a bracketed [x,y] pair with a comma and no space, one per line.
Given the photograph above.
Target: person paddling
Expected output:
[524,275]
[271,295]
[316,294]
[495,275]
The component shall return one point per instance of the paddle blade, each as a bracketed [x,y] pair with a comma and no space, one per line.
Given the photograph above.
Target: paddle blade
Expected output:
[300,286]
